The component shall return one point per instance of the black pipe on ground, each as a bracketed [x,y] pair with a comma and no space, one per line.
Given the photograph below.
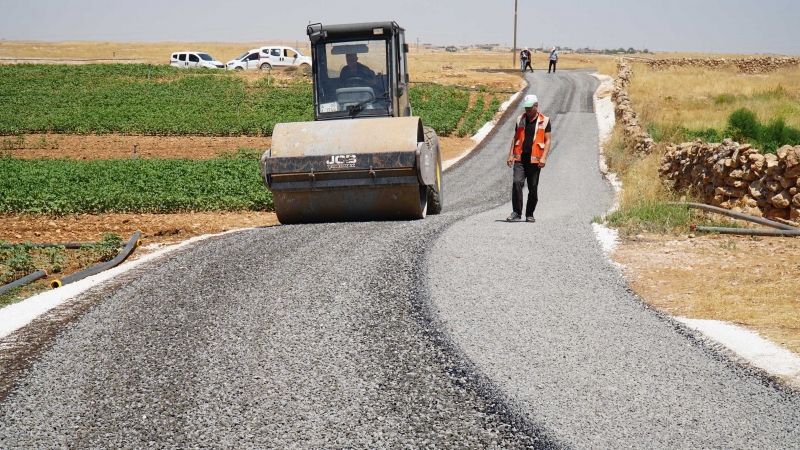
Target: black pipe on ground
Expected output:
[132,244]
[748,231]
[27,279]
[781,229]
[740,216]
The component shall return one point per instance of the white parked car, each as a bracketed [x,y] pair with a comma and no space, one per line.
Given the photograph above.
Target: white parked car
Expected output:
[270,57]
[249,61]
[279,56]
[192,60]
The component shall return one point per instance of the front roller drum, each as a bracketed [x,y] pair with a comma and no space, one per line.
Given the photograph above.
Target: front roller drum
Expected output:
[352,204]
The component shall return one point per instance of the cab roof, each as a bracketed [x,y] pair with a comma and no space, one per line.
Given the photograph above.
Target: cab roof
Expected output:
[319,33]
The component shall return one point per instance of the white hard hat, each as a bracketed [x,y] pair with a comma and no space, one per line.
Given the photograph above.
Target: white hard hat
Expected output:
[530,100]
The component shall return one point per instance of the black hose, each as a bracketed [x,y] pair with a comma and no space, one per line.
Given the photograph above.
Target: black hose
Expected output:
[735,215]
[69,245]
[748,231]
[23,281]
[132,244]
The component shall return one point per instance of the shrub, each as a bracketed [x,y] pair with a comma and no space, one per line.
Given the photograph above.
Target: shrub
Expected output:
[777,134]
[743,126]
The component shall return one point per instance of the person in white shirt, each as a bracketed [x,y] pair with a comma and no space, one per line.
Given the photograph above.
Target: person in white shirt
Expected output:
[553,60]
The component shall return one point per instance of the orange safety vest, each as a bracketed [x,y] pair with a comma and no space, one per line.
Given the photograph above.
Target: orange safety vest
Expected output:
[538,140]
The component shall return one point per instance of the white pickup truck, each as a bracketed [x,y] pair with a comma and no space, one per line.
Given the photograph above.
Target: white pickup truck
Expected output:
[270,57]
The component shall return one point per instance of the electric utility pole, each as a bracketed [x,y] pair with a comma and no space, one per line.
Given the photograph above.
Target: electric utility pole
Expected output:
[514,53]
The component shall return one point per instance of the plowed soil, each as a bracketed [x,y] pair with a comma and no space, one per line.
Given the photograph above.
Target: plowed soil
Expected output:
[122,146]
[111,146]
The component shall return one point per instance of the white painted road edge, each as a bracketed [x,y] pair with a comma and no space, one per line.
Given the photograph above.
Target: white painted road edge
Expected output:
[17,315]
[482,133]
[756,350]
[748,345]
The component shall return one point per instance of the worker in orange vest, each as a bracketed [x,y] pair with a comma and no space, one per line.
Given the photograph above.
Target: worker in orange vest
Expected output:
[528,155]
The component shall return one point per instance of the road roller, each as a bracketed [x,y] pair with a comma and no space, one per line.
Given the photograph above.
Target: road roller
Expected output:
[365,156]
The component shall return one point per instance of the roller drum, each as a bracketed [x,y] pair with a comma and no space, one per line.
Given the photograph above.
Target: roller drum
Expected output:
[351,170]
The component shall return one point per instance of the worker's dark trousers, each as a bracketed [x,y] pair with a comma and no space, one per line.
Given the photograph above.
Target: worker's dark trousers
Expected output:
[551,66]
[523,171]
[528,65]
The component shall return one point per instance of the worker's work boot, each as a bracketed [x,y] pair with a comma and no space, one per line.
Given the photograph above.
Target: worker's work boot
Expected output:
[514,216]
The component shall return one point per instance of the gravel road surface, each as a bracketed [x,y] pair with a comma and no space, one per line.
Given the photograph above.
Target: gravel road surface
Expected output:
[423,334]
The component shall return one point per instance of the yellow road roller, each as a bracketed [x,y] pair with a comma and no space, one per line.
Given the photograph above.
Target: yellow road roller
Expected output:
[365,156]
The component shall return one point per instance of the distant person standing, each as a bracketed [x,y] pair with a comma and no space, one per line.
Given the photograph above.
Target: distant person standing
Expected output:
[528,156]
[524,59]
[553,60]
[527,60]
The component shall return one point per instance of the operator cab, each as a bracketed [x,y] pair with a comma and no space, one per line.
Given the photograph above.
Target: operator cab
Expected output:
[359,70]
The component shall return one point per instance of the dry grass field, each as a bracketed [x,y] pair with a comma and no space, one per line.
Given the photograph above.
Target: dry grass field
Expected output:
[699,99]
[146,52]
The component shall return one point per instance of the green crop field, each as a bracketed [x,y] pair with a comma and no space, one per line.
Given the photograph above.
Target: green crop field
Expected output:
[142,99]
[162,100]
[60,186]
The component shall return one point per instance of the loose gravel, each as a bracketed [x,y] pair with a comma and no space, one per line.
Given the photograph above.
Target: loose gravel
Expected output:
[399,334]
[546,318]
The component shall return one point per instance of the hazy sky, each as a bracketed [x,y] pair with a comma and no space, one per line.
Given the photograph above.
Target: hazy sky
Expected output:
[721,26]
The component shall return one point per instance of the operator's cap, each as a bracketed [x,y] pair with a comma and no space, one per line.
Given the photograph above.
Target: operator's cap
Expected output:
[529,101]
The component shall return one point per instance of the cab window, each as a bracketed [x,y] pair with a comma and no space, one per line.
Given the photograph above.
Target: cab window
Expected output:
[289,54]
[194,58]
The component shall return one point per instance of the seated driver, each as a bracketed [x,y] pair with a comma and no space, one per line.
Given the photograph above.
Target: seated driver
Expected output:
[355,69]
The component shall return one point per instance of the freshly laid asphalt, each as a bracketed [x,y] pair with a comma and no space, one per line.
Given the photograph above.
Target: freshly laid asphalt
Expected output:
[457,331]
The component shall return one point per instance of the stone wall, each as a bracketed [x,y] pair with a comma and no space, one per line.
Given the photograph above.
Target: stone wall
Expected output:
[635,136]
[728,174]
[735,176]
[749,65]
